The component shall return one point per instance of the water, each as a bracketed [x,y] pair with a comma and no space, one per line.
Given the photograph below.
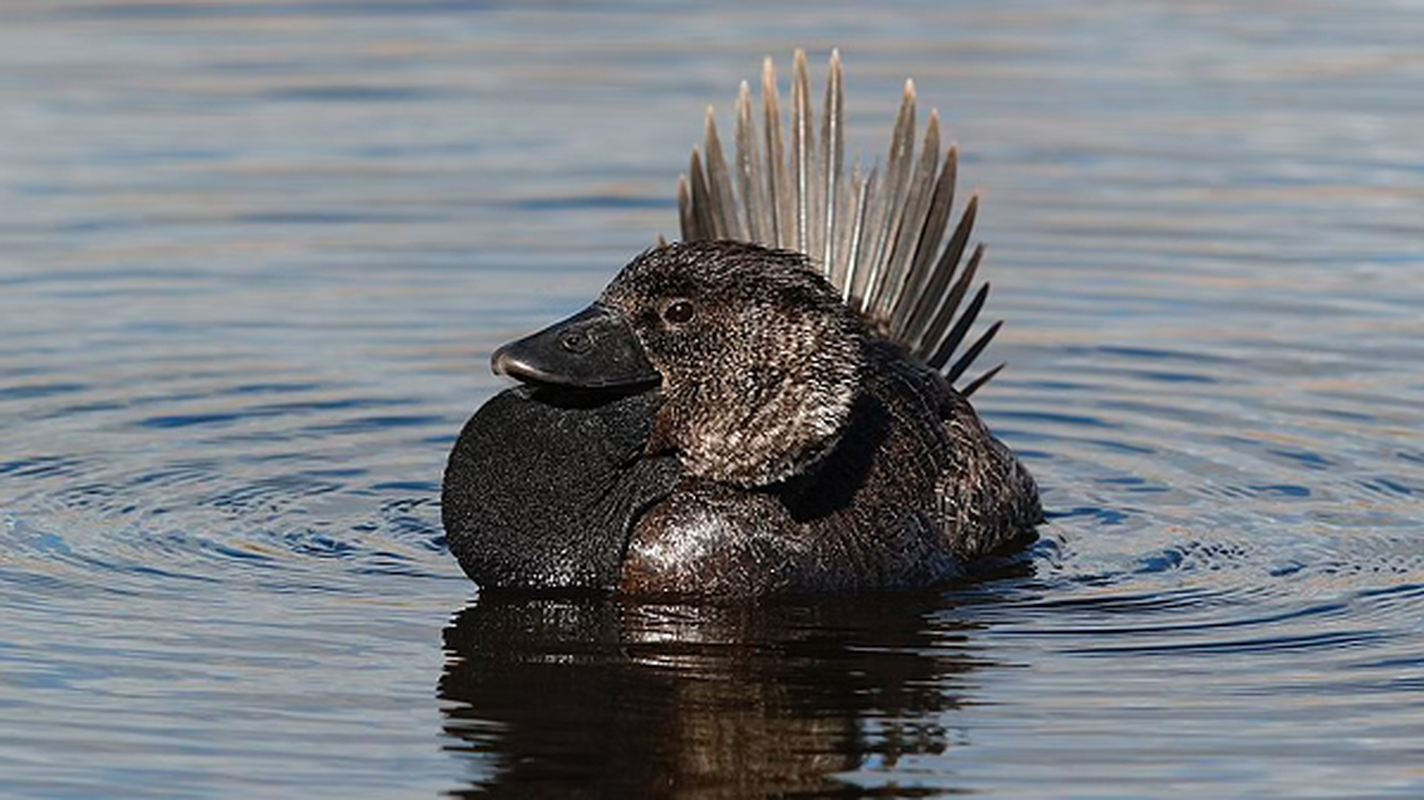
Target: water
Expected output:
[253,259]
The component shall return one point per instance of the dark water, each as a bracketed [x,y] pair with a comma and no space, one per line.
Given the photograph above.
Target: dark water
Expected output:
[254,256]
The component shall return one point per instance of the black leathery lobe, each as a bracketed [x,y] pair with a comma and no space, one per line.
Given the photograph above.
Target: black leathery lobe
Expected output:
[543,486]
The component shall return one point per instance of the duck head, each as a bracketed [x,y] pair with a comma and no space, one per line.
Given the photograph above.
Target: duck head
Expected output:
[757,358]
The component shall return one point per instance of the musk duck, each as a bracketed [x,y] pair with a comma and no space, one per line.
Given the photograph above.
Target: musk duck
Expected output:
[765,407]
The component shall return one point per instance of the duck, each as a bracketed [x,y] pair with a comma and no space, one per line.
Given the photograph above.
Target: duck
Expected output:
[765,407]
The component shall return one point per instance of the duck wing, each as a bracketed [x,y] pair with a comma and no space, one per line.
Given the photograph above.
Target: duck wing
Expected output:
[883,238]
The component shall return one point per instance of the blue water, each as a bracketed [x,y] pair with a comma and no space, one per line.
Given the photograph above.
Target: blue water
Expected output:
[254,257]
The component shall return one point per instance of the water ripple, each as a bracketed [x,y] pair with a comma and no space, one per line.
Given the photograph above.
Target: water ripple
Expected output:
[1332,641]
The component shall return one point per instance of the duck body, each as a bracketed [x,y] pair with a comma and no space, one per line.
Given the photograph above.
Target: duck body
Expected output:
[915,492]
[784,447]
[734,417]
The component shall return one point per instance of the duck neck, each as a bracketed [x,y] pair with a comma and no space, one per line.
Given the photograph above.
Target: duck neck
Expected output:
[758,426]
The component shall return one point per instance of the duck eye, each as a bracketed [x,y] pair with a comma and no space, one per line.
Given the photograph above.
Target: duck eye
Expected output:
[678,312]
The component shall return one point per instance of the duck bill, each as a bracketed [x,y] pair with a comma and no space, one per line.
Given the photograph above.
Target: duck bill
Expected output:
[593,349]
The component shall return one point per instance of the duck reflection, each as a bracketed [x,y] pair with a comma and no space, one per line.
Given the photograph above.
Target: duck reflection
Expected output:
[580,697]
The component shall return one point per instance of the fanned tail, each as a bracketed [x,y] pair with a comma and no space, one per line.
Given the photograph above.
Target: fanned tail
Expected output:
[883,238]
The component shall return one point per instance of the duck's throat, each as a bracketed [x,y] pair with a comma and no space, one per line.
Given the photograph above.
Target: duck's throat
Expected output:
[753,437]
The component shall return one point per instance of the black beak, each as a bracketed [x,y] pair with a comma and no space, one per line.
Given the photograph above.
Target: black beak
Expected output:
[593,349]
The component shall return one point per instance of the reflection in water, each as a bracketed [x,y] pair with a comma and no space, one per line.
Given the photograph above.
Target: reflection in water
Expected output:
[559,696]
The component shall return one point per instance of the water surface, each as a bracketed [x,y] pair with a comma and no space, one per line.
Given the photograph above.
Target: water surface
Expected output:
[254,258]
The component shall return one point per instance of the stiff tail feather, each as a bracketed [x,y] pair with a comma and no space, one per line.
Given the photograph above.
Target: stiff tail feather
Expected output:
[882,238]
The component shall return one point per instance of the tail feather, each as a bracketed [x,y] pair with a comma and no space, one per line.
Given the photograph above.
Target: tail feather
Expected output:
[686,219]
[703,208]
[803,166]
[882,238]
[973,386]
[726,221]
[907,232]
[944,347]
[974,350]
[890,206]
[904,324]
[755,204]
[779,191]
[932,310]
[956,334]
[833,159]
[859,245]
